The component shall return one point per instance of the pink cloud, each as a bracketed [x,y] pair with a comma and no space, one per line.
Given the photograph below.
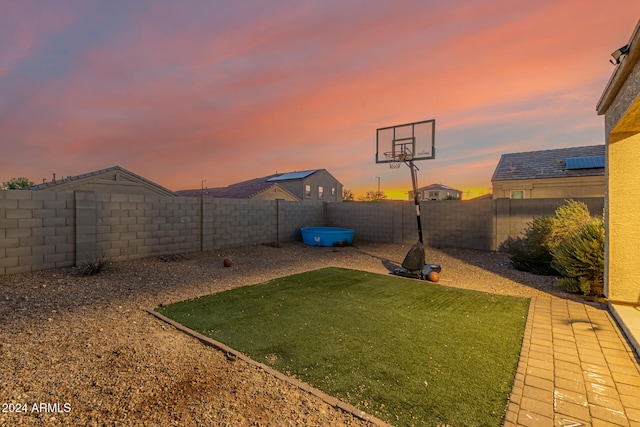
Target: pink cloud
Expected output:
[188,94]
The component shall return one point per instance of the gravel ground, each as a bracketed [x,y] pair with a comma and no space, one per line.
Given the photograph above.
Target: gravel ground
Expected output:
[81,350]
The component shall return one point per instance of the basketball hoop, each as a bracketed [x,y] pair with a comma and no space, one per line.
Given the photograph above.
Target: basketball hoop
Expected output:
[395,159]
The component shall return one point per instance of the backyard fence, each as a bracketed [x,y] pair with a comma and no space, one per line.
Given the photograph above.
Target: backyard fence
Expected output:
[43,229]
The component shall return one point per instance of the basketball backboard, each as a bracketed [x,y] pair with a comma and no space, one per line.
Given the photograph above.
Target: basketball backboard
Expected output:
[410,141]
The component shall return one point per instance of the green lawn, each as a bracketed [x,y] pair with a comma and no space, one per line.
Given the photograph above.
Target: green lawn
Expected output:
[409,352]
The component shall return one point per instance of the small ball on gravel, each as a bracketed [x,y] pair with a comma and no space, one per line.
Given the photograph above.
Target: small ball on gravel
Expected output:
[227,262]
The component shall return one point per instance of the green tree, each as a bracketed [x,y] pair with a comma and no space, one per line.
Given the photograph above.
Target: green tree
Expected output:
[17,183]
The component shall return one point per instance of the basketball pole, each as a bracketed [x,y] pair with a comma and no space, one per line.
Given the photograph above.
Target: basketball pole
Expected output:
[414,181]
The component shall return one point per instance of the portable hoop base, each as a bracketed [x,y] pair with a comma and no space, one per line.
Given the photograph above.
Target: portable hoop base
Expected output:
[418,274]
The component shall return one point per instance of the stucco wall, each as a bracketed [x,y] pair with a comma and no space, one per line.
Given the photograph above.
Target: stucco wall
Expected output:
[622,246]
[321,178]
[568,187]
[274,193]
[623,225]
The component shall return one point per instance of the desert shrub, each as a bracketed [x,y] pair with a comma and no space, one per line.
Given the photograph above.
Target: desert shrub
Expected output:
[580,259]
[568,220]
[532,252]
[92,265]
[570,284]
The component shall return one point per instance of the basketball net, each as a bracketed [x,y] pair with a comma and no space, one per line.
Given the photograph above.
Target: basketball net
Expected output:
[395,159]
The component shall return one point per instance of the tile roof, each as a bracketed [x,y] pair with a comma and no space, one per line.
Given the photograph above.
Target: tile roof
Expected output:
[546,163]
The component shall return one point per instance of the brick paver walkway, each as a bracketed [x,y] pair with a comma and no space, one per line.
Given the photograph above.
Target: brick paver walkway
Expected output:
[575,369]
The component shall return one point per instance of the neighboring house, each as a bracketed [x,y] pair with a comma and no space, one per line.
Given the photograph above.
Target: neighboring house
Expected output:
[620,105]
[437,192]
[111,180]
[257,189]
[558,173]
[317,184]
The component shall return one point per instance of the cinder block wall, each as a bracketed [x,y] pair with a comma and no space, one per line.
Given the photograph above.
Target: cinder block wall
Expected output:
[37,231]
[294,215]
[444,224]
[42,230]
[130,226]
[238,222]
[453,223]
[375,222]
[472,224]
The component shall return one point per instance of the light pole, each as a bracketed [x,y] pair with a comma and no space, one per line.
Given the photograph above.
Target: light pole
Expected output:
[378,193]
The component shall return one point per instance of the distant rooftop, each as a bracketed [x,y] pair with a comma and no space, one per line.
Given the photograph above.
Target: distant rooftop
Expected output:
[561,162]
[56,182]
[240,190]
[248,189]
[292,175]
[437,187]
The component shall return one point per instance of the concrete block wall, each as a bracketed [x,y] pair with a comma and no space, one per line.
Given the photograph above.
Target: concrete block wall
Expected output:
[444,223]
[294,215]
[238,222]
[453,223]
[42,230]
[374,222]
[207,211]
[130,226]
[472,224]
[37,231]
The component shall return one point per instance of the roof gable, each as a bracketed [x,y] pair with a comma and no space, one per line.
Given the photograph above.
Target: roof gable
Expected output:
[437,187]
[549,163]
[112,176]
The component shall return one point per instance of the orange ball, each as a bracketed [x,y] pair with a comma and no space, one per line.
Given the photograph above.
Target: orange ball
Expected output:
[433,276]
[227,262]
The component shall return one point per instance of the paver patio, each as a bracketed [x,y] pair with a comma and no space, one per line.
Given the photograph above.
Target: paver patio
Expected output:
[576,369]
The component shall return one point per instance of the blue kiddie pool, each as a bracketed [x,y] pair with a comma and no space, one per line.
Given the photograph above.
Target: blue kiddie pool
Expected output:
[327,236]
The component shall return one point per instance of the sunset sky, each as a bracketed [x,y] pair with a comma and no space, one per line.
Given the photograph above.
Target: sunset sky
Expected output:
[225,91]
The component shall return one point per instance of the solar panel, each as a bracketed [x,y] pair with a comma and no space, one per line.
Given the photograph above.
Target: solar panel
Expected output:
[589,162]
[291,175]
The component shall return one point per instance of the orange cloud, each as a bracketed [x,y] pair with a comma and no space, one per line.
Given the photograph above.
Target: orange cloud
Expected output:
[230,93]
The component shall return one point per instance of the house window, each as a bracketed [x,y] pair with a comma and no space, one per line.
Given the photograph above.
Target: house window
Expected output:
[307,190]
[333,191]
[320,191]
[433,195]
[517,194]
